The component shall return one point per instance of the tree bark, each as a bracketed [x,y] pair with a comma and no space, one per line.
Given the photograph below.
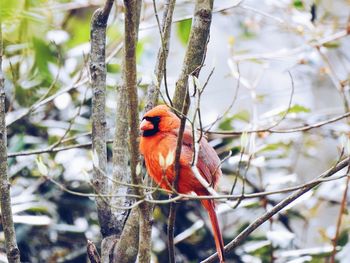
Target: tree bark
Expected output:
[130,75]
[160,68]
[194,58]
[98,72]
[12,250]
[196,49]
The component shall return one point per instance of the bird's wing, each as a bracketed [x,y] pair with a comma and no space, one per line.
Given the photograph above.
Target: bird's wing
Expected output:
[208,162]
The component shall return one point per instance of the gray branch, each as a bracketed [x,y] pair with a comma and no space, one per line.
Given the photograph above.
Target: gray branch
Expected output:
[97,68]
[160,68]
[12,250]
[194,58]
[121,170]
[129,235]
[196,50]
[277,208]
[128,245]
[130,77]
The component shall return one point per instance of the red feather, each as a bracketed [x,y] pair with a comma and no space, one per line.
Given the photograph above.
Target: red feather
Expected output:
[160,132]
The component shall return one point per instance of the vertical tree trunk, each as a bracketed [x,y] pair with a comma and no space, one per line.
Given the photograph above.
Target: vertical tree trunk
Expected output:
[121,169]
[130,76]
[194,58]
[12,250]
[127,247]
[99,147]
[196,49]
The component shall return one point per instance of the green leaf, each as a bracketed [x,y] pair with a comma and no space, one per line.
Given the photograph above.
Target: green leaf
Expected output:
[226,124]
[298,4]
[113,68]
[9,10]
[140,47]
[41,167]
[79,29]
[343,238]
[297,108]
[183,30]
[273,147]
[332,44]
[42,56]
[242,116]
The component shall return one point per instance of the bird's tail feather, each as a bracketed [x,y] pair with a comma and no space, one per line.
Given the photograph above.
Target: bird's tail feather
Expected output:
[219,243]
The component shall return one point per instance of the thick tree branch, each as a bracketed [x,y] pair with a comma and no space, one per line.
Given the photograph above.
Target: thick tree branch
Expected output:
[196,49]
[5,197]
[121,170]
[194,58]
[92,253]
[128,222]
[277,208]
[97,68]
[128,245]
[130,77]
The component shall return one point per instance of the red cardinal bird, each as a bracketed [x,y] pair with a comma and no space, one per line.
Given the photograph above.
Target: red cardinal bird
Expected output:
[160,128]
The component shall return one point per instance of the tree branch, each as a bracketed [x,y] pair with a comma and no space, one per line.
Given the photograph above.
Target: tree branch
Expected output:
[288,130]
[93,255]
[128,221]
[12,250]
[277,208]
[194,58]
[160,69]
[196,49]
[221,134]
[128,245]
[130,77]
[97,68]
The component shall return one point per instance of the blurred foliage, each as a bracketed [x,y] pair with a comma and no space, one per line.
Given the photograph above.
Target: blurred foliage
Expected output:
[46,46]
[183,30]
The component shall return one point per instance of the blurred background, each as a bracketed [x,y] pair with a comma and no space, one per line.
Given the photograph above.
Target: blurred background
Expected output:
[275,62]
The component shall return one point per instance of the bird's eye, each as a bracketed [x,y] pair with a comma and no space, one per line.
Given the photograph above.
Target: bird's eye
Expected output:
[152,119]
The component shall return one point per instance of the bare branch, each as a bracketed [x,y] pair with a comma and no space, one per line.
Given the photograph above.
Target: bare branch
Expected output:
[340,217]
[130,41]
[93,255]
[290,130]
[12,250]
[98,84]
[222,134]
[128,246]
[196,49]
[121,170]
[193,61]
[277,208]
[160,70]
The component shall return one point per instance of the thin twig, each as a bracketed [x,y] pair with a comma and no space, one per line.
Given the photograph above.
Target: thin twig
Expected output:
[290,130]
[340,216]
[277,208]
[225,134]
[160,71]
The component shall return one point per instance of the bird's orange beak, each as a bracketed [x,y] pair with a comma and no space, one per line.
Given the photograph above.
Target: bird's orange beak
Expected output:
[146,125]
